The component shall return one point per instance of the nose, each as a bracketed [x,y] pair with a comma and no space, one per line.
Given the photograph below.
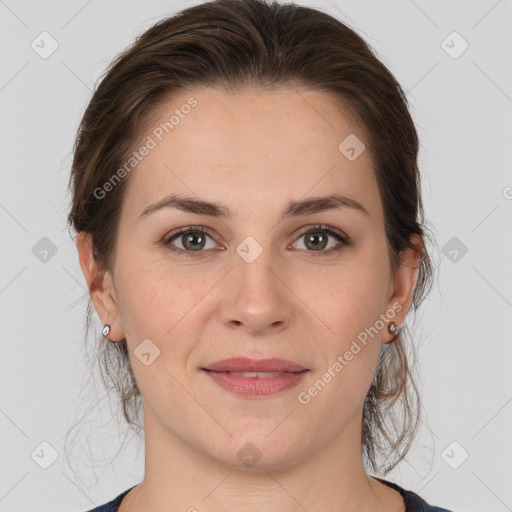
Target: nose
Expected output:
[257,296]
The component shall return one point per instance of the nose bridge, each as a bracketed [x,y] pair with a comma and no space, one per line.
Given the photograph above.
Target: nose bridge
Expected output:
[259,298]
[254,269]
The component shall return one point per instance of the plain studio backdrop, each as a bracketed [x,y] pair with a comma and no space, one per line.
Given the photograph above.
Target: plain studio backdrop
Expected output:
[452,59]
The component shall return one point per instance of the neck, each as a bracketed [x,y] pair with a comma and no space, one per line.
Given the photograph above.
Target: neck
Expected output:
[184,478]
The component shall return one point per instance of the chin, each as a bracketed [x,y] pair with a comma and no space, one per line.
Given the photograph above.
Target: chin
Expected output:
[259,451]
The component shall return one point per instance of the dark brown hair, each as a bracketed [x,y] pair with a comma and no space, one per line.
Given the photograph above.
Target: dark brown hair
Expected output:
[234,45]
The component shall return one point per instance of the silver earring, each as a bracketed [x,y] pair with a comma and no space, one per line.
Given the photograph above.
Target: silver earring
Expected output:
[106,330]
[393,328]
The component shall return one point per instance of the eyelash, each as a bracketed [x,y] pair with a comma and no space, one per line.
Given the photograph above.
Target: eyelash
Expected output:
[344,240]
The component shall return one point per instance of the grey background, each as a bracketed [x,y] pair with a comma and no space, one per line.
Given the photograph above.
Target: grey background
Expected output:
[462,107]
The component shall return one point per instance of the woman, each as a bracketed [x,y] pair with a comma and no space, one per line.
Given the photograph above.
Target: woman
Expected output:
[247,204]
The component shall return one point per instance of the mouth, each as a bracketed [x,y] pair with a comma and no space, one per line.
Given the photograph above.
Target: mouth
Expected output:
[252,378]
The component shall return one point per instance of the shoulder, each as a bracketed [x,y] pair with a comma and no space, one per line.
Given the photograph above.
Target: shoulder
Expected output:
[111,506]
[413,502]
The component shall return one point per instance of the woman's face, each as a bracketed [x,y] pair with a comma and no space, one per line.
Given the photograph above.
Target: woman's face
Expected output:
[261,283]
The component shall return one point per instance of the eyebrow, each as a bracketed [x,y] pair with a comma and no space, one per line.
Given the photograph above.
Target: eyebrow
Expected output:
[308,206]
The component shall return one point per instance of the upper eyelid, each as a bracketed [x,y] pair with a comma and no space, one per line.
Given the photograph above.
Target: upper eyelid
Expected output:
[181,231]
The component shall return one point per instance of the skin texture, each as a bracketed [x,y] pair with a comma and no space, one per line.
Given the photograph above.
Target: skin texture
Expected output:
[253,152]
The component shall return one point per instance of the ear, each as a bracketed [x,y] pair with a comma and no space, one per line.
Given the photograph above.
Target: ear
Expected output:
[101,287]
[403,284]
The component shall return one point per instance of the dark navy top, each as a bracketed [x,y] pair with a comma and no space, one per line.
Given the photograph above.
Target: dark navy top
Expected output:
[413,502]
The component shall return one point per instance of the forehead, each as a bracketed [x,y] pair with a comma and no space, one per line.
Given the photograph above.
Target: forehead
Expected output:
[230,148]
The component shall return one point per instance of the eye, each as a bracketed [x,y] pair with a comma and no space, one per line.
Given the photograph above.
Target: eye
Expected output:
[193,239]
[317,240]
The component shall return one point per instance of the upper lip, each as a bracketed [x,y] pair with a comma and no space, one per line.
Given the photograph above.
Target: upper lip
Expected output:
[244,364]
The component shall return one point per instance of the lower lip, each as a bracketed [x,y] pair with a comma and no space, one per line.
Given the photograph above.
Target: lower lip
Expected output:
[256,386]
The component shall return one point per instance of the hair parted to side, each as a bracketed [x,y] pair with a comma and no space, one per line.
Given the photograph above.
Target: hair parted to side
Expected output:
[235,45]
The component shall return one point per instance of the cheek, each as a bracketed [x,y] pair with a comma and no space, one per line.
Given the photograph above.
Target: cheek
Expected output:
[350,303]
[349,298]
[149,299]
[161,303]
[153,308]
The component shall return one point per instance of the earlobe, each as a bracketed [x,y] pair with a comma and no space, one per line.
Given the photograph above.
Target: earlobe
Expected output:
[100,286]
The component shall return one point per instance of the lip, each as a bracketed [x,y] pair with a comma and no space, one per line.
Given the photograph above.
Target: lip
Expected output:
[256,386]
[226,374]
[245,364]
